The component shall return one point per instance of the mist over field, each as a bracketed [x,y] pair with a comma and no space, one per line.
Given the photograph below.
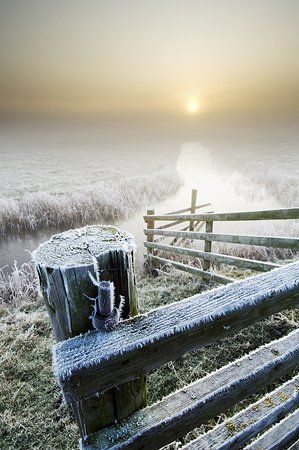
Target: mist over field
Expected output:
[56,176]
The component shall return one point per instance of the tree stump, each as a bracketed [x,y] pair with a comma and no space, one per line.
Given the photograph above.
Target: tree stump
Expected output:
[64,265]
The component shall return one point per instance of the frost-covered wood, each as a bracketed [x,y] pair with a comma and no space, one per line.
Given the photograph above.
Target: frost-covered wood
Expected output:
[241,428]
[273,214]
[65,265]
[84,364]
[267,241]
[182,411]
[280,436]
[192,270]
[215,257]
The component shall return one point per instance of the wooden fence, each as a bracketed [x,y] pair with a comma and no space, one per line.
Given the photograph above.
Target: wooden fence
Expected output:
[91,363]
[102,369]
[191,232]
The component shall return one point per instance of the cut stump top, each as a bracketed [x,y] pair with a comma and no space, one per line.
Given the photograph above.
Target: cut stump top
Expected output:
[78,247]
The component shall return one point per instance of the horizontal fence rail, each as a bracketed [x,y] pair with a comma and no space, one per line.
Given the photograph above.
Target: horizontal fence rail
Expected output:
[283,434]
[191,270]
[84,364]
[270,241]
[188,408]
[273,214]
[241,428]
[215,257]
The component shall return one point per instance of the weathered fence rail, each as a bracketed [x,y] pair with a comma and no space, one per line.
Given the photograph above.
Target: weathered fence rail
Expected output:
[192,233]
[95,362]
[144,343]
[233,433]
[267,241]
[272,214]
[226,259]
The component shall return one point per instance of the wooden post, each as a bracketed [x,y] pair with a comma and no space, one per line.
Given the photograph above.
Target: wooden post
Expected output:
[150,238]
[193,206]
[208,245]
[64,265]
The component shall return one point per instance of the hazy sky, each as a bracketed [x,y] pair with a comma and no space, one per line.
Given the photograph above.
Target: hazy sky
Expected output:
[108,56]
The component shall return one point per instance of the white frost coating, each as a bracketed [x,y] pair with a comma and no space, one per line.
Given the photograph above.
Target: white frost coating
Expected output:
[287,427]
[284,399]
[187,401]
[71,355]
[81,245]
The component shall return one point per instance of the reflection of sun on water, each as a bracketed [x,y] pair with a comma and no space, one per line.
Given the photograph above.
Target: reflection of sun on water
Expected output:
[192,105]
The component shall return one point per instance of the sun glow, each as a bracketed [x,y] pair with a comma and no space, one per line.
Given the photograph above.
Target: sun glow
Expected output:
[192,105]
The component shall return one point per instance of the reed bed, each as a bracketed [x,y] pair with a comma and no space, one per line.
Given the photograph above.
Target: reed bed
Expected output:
[106,202]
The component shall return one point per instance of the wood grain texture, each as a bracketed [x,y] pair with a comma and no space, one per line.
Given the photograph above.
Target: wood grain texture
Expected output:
[241,428]
[84,364]
[279,437]
[66,287]
[215,257]
[182,411]
[273,214]
[265,241]
[207,246]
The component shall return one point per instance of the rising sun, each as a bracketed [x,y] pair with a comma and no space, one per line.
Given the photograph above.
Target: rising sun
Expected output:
[192,105]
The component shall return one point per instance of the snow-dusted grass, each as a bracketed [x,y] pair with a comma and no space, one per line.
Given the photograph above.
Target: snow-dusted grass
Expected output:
[32,414]
[257,253]
[106,202]
[18,287]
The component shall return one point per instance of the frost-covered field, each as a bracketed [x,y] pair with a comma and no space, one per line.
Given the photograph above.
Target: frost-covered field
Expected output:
[69,179]
[268,168]
[106,202]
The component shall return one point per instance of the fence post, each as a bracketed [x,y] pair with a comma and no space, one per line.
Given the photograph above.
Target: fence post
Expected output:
[65,265]
[150,224]
[208,245]
[193,206]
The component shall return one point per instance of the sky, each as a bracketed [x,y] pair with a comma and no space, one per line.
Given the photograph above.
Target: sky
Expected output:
[149,56]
